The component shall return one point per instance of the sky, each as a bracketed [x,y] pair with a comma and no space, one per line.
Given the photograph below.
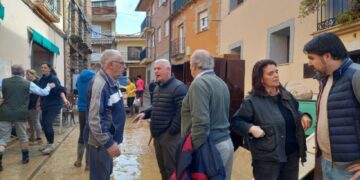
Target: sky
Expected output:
[128,21]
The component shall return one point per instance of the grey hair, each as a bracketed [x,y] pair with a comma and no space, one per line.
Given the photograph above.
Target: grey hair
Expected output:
[202,59]
[17,69]
[109,54]
[164,61]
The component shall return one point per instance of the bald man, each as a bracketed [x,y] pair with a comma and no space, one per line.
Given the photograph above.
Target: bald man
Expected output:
[14,111]
[106,116]
[165,116]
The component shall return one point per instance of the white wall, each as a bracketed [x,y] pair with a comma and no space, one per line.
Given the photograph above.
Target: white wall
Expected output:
[14,38]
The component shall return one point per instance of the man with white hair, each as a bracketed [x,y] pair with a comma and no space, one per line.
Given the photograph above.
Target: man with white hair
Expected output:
[165,116]
[205,109]
[106,116]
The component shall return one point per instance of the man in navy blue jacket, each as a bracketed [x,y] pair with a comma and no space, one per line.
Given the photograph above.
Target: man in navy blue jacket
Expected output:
[82,85]
[338,107]
[106,116]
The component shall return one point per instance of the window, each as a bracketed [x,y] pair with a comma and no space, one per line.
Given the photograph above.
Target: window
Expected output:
[159,34]
[181,39]
[236,50]
[234,4]
[203,20]
[167,28]
[133,53]
[96,31]
[281,42]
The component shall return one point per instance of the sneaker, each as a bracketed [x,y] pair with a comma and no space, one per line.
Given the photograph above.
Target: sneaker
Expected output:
[42,148]
[48,150]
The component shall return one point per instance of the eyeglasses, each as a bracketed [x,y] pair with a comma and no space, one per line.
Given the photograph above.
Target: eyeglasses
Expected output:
[119,62]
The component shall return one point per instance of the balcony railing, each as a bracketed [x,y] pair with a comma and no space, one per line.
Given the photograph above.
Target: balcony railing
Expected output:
[103,4]
[145,24]
[147,53]
[49,8]
[178,47]
[178,4]
[103,37]
[327,14]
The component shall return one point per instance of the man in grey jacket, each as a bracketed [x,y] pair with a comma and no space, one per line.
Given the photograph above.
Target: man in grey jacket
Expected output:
[205,108]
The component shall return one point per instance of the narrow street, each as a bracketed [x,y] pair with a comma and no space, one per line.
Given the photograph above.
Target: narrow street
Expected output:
[137,161]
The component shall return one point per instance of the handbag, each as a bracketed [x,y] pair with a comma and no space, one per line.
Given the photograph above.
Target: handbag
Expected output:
[137,102]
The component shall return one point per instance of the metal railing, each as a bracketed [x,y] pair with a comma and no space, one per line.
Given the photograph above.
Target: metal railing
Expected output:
[146,23]
[147,52]
[103,4]
[178,47]
[326,14]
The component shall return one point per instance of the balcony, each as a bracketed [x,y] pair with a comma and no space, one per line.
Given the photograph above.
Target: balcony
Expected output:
[179,4]
[147,55]
[49,9]
[178,48]
[103,4]
[103,37]
[330,15]
[104,11]
[146,24]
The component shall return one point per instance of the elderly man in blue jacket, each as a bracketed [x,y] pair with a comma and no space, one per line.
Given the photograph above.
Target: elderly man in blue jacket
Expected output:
[106,116]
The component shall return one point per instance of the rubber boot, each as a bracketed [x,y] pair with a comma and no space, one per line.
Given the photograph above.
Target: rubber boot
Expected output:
[80,154]
[25,156]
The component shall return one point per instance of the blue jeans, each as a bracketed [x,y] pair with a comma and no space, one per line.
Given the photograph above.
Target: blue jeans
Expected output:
[226,149]
[101,164]
[334,171]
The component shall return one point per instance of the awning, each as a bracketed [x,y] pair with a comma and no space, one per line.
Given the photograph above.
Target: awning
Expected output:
[37,37]
[2,11]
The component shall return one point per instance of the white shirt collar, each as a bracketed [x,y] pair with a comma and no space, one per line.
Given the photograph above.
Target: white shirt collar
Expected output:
[203,72]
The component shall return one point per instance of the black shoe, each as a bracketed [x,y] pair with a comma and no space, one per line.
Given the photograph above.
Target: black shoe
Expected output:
[1,168]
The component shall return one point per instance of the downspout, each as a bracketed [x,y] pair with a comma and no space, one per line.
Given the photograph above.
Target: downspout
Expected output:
[65,39]
[170,30]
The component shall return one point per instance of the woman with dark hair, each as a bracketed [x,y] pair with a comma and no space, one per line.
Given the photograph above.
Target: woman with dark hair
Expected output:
[50,105]
[272,125]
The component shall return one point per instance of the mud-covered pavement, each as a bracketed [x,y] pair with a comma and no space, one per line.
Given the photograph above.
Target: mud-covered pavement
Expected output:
[137,160]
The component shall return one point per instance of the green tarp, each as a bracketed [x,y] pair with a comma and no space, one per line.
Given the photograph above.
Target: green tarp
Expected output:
[2,11]
[37,37]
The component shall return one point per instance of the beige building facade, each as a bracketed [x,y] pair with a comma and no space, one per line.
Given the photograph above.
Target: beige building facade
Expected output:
[131,47]
[31,34]
[273,30]
[259,29]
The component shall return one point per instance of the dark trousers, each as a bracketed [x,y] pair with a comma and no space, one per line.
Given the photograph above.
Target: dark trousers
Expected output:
[82,121]
[47,119]
[129,102]
[101,164]
[165,150]
[270,170]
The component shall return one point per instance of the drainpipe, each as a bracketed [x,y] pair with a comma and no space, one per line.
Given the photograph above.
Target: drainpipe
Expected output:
[170,30]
